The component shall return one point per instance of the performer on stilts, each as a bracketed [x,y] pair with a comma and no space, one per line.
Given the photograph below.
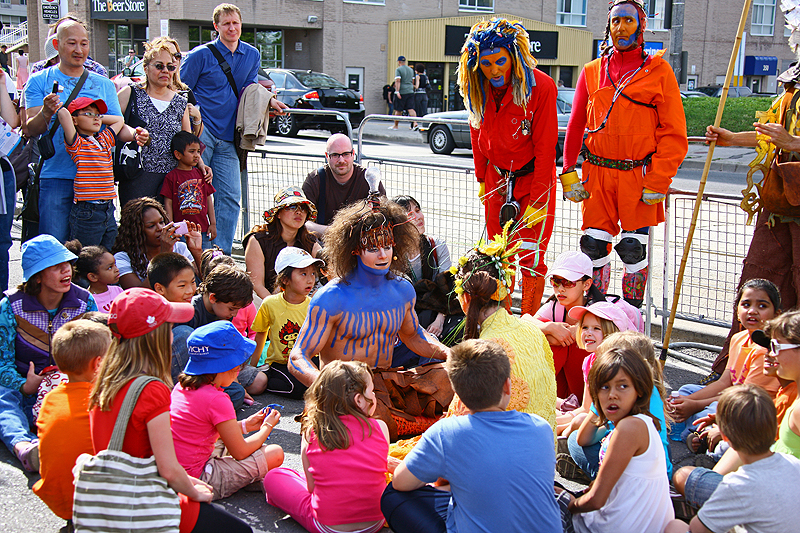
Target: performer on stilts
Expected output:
[514,131]
[631,104]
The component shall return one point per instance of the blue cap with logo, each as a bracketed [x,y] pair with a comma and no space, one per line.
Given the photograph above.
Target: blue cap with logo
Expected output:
[217,347]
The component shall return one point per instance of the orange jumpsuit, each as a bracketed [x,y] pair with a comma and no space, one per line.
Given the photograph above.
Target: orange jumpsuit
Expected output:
[503,141]
[632,132]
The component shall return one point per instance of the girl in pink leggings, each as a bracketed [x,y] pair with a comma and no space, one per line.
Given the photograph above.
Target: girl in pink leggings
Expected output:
[344,456]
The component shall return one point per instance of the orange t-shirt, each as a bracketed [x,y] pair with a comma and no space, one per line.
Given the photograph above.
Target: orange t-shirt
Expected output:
[63,435]
[746,364]
[784,399]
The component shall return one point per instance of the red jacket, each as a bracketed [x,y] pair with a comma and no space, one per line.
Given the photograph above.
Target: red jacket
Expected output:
[500,141]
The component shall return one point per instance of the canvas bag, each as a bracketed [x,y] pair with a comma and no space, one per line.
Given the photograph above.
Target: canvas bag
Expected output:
[780,190]
[117,492]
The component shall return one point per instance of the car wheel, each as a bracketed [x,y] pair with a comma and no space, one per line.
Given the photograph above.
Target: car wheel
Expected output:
[441,140]
[286,125]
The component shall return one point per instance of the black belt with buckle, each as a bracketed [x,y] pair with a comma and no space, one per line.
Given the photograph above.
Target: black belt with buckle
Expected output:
[508,174]
[618,164]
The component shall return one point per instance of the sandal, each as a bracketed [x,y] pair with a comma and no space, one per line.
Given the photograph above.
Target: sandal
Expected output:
[702,444]
[29,456]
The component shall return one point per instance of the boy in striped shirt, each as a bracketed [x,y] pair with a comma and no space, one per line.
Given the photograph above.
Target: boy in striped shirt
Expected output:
[91,219]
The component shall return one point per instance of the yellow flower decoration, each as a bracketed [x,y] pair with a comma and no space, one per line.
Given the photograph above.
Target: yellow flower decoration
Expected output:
[462,261]
[458,286]
[454,269]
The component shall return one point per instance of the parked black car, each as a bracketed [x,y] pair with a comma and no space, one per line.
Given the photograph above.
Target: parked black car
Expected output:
[444,138]
[306,89]
[733,91]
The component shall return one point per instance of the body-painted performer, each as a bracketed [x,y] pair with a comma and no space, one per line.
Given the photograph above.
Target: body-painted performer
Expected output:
[514,130]
[774,252]
[631,104]
[357,316]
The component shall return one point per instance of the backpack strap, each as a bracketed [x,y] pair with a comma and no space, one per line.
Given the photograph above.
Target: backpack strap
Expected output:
[226,68]
[125,412]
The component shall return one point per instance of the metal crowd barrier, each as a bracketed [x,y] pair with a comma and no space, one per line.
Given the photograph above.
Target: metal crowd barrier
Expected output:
[448,196]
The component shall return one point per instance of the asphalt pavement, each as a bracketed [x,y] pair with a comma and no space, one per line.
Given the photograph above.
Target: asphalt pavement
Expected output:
[22,511]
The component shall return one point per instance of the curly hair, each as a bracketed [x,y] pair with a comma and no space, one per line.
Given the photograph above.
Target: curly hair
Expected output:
[130,238]
[480,277]
[344,236]
[89,260]
[496,33]
[212,258]
[228,284]
[150,54]
[177,84]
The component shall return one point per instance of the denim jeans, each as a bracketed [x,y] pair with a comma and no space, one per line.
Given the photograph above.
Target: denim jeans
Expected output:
[686,390]
[16,417]
[423,510]
[221,157]
[55,204]
[700,485]
[586,457]
[6,221]
[93,224]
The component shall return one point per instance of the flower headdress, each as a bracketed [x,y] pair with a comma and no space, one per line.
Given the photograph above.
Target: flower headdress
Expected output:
[497,253]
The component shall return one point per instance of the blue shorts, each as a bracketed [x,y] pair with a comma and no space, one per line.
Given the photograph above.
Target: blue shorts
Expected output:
[700,485]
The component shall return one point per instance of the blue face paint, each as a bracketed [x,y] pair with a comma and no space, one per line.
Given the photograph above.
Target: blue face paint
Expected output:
[495,64]
[624,26]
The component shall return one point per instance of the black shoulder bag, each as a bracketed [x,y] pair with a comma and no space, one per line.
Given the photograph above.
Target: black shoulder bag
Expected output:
[237,137]
[30,209]
[128,156]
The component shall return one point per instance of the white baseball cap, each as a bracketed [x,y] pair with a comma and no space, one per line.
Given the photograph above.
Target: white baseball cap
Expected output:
[294,257]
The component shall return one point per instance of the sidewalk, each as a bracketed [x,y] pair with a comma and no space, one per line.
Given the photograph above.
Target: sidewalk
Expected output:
[725,159]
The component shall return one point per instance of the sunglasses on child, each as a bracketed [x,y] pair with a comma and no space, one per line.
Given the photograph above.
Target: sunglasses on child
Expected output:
[776,347]
[567,284]
[295,207]
[162,66]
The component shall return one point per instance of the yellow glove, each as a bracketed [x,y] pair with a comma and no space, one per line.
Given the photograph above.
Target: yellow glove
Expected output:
[482,191]
[573,188]
[533,215]
[652,197]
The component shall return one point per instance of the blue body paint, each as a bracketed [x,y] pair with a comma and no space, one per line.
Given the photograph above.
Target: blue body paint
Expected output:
[371,311]
[626,10]
[499,58]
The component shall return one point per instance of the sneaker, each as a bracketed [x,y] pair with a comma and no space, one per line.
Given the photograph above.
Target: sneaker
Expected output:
[28,455]
[569,469]
[392,127]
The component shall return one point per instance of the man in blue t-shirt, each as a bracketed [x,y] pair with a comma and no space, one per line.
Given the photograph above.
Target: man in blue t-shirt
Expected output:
[201,71]
[58,172]
[500,465]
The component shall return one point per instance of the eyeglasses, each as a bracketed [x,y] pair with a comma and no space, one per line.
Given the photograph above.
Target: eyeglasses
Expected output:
[162,66]
[567,284]
[178,56]
[295,207]
[334,155]
[775,347]
[91,115]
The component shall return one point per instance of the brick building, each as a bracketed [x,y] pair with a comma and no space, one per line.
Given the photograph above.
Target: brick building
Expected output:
[358,41]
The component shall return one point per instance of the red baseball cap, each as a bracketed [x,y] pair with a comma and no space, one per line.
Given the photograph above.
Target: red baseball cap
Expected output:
[84,101]
[138,311]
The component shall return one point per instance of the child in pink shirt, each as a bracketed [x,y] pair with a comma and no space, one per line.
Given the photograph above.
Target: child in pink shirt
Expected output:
[344,456]
[201,413]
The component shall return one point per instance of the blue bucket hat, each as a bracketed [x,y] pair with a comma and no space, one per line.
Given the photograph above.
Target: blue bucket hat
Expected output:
[41,252]
[217,347]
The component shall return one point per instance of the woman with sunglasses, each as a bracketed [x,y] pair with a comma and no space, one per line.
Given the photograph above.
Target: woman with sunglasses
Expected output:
[571,279]
[194,111]
[163,111]
[285,226]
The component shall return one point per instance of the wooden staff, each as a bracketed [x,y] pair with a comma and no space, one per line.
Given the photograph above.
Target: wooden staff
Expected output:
[676,296]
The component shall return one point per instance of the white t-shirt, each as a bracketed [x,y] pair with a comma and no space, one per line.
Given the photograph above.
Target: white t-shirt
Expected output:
[124,262]
[761,496]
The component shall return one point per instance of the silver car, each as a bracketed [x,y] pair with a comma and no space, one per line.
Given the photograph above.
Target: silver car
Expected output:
[444,138]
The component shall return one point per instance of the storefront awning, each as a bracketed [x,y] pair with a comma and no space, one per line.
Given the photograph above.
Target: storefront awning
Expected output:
[760,66]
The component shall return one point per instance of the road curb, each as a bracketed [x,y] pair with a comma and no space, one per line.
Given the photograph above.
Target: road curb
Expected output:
[732,168]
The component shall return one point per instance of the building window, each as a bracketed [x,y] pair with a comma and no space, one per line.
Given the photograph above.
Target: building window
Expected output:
[484,6]
[763,19]
[571,13]
[121,38]
[655,14]
[268,42]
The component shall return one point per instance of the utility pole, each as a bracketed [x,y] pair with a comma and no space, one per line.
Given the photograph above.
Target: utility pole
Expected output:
[676,38]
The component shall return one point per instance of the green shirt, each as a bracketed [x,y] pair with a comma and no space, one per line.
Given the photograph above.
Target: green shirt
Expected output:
[406,76]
